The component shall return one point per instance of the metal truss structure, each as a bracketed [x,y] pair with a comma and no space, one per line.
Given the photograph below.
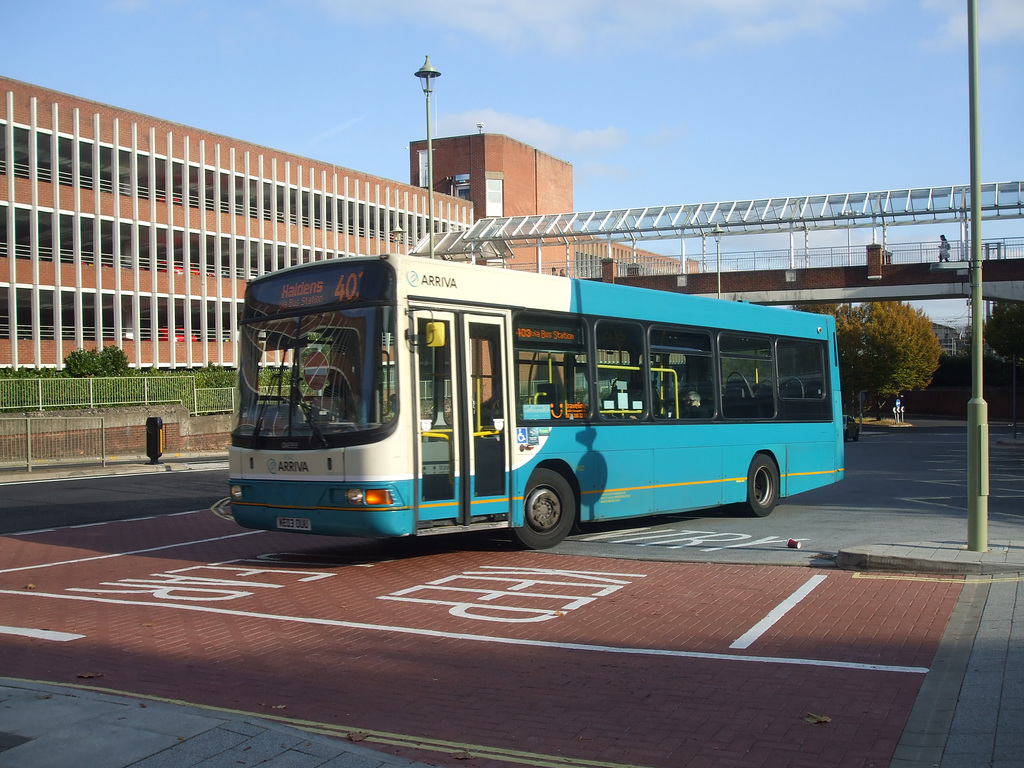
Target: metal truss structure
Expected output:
[925,205]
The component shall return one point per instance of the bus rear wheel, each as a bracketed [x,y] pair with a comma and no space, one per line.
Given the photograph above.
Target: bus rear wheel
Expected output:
[549,511]
[762,486]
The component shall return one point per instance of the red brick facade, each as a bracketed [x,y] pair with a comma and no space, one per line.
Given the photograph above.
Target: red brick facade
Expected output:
[534,182]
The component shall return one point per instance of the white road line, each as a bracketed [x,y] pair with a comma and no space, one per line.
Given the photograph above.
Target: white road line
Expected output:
[104,522]
[486,638]
[126,554]
[751,635]
[40,634]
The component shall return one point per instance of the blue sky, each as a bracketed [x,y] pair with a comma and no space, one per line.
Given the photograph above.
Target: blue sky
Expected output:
[654,102]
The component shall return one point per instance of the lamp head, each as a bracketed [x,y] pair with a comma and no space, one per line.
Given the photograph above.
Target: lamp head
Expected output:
[428,74]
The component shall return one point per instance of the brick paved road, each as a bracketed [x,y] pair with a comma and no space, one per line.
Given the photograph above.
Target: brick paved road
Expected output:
[433,653]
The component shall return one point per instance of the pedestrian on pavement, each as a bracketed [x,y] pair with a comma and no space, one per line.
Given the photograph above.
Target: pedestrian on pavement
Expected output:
[943,248]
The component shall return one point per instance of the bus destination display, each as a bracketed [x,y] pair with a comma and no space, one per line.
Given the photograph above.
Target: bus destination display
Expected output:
[547,335]
[332,284]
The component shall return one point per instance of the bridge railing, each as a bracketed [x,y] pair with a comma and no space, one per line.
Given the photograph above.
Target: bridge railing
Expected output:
[588,267]
[856,255]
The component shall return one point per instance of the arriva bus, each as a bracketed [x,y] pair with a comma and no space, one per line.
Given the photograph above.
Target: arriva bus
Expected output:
[402,396]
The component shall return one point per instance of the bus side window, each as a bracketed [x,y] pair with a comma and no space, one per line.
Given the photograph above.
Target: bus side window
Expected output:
[802,392]
[621,377]
[747,378]
[552,381]
[683,378]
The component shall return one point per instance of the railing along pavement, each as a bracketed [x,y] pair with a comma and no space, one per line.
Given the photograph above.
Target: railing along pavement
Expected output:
[44,441]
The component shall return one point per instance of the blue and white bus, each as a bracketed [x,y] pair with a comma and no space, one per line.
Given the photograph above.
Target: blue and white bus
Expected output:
[402,396]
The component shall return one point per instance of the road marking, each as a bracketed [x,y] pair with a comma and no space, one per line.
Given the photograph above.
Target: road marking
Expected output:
[484,590]
[673,538]
[773,617]
[486,638]
[103,522]
[40,634]
[126,554]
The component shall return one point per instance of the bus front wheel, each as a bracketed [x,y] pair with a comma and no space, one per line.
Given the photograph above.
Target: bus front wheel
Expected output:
[762,486]
[549,511]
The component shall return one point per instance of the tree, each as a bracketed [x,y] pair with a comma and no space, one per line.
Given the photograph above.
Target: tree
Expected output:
[1004,331]
[884,348]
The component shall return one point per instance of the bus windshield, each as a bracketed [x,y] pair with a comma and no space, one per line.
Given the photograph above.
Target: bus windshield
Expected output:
[316,380]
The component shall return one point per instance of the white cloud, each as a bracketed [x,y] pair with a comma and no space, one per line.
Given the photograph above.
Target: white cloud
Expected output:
[569,25]
[553,139]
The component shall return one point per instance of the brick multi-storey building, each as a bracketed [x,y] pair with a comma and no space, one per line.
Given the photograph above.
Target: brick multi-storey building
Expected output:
[121,228]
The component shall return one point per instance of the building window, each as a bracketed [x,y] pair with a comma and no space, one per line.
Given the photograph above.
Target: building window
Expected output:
[85,180]
[21,158]
[423,167]
[495,198]
[44,158]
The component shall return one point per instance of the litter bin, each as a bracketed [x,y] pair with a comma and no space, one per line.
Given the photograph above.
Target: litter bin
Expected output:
[154,438]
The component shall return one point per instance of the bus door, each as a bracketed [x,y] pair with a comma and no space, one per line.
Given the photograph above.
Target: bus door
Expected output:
[463,444]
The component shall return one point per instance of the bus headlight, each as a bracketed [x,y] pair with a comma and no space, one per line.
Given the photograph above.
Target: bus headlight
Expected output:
[236,492]
[354,495]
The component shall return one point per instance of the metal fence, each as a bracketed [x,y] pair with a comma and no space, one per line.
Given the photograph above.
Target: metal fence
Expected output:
[215,400]
[48,394]
[44,441]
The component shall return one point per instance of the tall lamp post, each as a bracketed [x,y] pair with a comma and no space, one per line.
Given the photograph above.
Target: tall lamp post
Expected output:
[977,408]
[717,231]
[428,75]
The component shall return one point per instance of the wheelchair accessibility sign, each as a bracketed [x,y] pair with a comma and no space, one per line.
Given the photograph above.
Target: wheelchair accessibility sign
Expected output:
[528,435]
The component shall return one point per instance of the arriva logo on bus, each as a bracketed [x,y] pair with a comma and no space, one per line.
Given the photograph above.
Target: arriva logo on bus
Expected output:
[416,279]
[286,465]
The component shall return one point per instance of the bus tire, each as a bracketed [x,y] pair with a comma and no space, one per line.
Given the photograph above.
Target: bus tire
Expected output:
[549,511]
[762,486]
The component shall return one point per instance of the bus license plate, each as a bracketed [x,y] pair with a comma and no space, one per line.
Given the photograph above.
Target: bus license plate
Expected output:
[294,524]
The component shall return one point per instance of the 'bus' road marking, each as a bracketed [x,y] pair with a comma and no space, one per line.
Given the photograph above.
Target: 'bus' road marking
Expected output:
[126,554]
[751,635]
[679,539]
[483,592]
[40,634]
[662,652]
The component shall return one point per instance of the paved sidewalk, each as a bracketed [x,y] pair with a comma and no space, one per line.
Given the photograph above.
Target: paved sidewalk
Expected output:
[46,726]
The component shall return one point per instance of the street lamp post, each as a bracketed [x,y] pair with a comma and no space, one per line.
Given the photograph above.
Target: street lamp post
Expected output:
[977,408]
[428,74]
[717,231]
